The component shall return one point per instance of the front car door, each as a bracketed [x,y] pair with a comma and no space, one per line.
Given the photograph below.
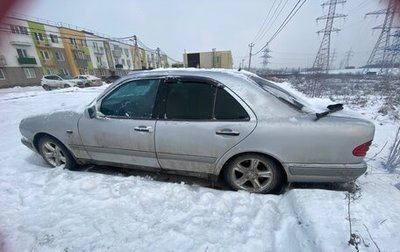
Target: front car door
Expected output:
[123,130]
[201,121]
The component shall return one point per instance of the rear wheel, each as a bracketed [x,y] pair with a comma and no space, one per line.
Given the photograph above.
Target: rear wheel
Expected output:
[253,173]
[55,154]
[87,84]
[66,86]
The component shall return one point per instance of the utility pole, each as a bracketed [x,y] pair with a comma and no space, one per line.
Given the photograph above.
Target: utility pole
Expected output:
[136,59]
[381,54]
[323,58]
[251,50]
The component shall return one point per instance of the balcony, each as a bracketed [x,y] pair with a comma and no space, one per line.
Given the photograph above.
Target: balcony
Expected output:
[21,43]
[83,63]
[48,63]
[27,61]
[76,47]
[43,44]
[98,50]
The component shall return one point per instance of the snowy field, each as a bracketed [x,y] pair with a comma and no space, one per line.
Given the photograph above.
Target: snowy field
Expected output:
[43,209]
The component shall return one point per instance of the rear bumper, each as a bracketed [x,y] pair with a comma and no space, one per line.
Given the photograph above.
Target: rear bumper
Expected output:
[325,172]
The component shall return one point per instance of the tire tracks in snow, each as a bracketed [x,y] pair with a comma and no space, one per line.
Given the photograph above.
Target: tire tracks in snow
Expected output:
[292,231]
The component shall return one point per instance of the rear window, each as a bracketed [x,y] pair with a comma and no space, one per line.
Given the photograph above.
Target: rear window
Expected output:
[280,93]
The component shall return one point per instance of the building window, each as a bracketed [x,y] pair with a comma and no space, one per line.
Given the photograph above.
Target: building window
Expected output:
[38,36]
[45,55]
[126,52]
[29,72]
[83,42]
[59,56]
[73,41]
[54,38]
[22,53]
[64,72]
[2,75]
[122,61]
[129,63]
[49,71]
[19,29]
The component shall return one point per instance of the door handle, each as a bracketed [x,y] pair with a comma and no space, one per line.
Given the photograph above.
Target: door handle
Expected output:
[143,129]
[227,132]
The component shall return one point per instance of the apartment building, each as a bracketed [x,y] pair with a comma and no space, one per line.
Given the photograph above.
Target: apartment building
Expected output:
[19,59]
[30,49]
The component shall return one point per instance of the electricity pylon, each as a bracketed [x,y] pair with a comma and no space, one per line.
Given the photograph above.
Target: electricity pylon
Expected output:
[381,55]
[323,57]
[265,57]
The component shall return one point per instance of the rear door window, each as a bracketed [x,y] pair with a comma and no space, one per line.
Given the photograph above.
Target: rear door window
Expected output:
[189,100]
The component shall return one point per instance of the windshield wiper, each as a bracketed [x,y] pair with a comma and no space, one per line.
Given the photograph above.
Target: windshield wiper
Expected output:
[332,109]
[295,104]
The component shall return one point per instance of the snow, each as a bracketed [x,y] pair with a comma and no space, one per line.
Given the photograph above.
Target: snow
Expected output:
[43,209]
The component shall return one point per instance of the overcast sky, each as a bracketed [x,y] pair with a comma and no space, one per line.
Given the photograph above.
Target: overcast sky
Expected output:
[176,25]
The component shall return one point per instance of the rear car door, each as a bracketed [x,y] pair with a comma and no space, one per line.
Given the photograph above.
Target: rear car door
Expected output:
[123,132]
[200,121]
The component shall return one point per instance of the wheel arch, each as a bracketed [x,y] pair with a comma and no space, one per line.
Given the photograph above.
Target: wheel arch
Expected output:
[39,135]
[220,172]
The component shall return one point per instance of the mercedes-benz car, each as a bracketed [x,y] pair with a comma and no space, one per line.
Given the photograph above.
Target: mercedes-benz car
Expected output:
[229,125]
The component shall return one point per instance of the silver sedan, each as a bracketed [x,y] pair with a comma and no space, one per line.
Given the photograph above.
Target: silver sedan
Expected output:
[229,125]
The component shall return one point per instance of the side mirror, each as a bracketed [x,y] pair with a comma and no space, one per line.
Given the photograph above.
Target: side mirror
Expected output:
[92,112]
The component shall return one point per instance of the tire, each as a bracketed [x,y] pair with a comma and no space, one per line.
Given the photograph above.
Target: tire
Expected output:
[66,86]
[87,84]
[253,173]
[46,87]
[55,153]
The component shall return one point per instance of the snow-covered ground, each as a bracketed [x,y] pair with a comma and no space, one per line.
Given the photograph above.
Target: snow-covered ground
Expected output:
[43,209]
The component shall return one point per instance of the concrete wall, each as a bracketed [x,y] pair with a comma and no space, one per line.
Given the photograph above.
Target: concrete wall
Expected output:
[15,76]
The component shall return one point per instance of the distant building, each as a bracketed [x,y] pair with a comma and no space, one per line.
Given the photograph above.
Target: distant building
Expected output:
[213,59]
[30,49]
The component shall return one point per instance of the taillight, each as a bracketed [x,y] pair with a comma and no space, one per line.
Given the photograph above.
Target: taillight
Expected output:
[361,150]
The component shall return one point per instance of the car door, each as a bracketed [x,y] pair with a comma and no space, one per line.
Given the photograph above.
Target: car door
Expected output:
[123,130]
[50,80]
[201,121]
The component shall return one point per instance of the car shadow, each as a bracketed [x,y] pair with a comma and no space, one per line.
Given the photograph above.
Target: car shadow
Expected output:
[218,185]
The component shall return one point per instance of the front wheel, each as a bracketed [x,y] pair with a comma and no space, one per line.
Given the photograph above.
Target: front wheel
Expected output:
[253,173]
[66,86]
[55,154]
[46,87]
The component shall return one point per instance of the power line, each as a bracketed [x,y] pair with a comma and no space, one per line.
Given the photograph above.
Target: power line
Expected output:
[265,20]
[289,17]
[87,36]
[273,19]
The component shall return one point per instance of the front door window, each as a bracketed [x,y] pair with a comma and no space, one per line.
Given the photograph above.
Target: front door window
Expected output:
[133,100]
